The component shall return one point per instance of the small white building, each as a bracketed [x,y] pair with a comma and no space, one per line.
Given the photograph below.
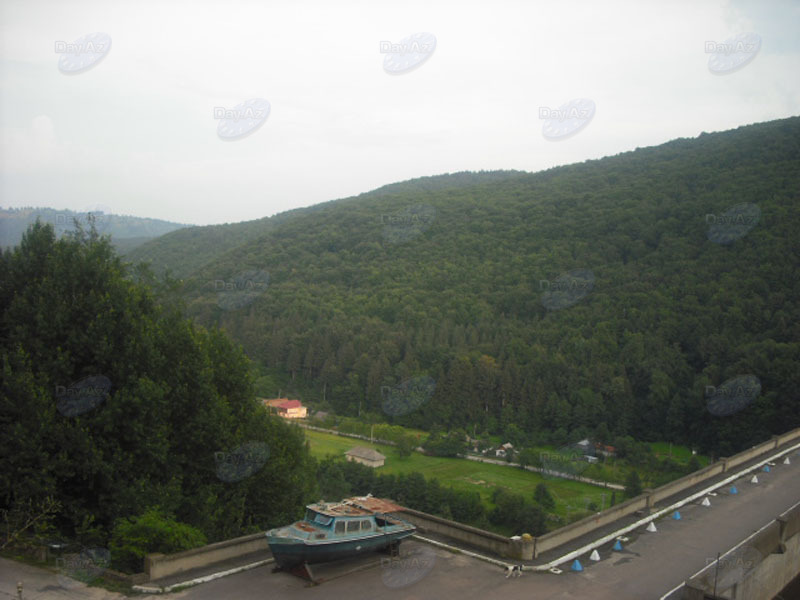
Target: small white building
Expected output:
[365,456]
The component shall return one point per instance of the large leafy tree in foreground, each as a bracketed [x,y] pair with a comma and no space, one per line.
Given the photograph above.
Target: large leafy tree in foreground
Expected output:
[113,404]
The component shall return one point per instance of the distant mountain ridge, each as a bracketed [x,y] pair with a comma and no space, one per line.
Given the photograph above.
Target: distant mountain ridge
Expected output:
[126,231]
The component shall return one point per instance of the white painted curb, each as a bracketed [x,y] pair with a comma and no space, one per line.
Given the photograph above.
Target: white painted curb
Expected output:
[165,590]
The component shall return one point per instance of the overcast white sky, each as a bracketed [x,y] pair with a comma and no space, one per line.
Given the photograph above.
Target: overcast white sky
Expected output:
[136,133]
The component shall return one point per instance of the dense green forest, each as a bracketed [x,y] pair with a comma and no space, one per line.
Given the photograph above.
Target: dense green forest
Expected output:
[120,416]
[607,295]
[181,253]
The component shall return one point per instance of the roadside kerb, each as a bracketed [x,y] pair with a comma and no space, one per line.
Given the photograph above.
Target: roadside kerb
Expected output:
[206,578]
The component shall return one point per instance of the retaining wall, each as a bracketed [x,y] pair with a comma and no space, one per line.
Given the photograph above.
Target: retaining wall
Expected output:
[157,566]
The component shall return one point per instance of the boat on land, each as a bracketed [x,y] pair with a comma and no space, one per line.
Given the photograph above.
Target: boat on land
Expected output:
[335,530]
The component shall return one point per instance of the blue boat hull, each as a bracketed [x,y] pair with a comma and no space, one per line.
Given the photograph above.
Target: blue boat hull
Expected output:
[289,553]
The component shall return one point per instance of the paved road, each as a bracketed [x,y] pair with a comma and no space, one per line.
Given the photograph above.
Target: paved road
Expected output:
[651,564]
[41,584]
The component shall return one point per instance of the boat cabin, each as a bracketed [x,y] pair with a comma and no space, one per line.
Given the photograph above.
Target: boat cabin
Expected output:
[342,518]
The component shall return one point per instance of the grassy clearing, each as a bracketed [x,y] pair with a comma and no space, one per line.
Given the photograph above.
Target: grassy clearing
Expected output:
[681,454]
[571,497]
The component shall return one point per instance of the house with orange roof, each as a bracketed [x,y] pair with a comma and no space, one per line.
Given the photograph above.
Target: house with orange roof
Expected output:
[292,409]
[286,408]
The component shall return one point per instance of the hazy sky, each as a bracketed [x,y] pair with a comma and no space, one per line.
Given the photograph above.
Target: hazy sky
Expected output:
[136,133]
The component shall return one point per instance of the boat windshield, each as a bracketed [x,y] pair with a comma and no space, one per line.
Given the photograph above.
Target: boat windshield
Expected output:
[315,517]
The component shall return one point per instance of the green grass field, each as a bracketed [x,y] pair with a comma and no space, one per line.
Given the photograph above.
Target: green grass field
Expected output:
[681,454]
[571,497]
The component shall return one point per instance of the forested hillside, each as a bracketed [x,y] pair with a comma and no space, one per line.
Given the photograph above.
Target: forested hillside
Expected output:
[184,251]
[592,298]
[122,421]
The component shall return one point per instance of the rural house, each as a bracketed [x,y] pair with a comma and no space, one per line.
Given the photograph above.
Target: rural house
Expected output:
[292,409]
[365,456]
[286,408]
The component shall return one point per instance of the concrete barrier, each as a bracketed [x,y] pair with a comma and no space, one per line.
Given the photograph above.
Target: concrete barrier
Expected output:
[746,455]
[478,538]
[157,566]
[690,480]
[566,534]
[759,567]
[788,436]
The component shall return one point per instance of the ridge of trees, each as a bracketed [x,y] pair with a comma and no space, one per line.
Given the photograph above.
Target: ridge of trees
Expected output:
[367,292]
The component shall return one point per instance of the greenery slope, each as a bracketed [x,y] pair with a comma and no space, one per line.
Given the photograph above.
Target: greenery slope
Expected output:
[182,252]
[443,276]
[113,407]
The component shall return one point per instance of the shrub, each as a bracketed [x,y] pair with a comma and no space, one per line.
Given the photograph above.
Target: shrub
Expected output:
[153,531]
[542,497]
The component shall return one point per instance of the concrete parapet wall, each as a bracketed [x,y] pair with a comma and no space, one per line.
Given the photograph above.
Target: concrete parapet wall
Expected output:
[692,479]
[479,538]
[790,522]
[575,530]
[760,568]
[789,436]
[746,455]
[157,566]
